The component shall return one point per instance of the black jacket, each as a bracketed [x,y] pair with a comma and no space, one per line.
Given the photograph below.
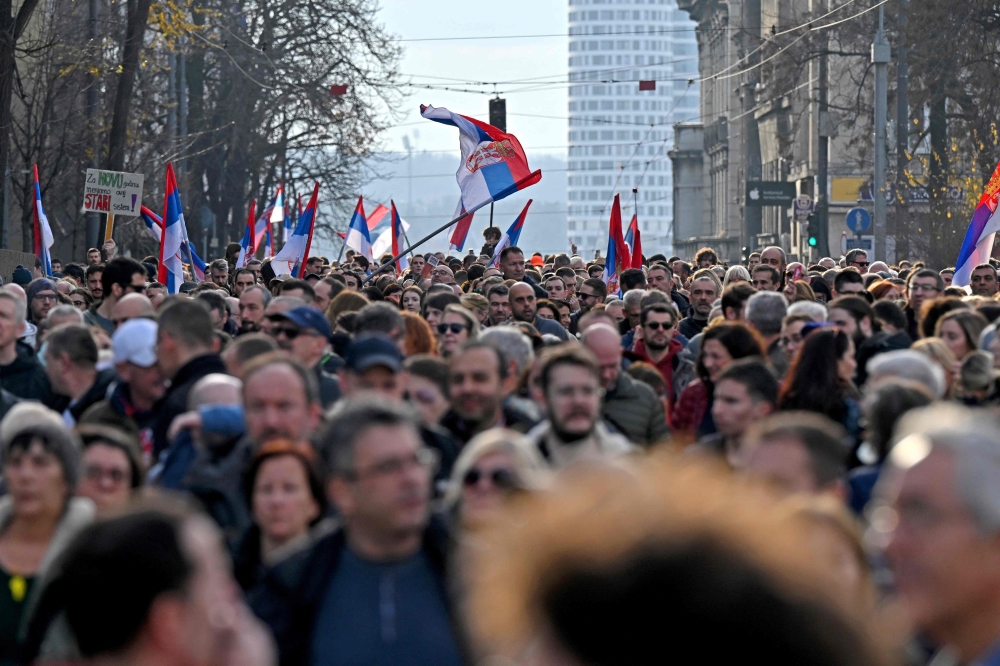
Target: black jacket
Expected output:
[25,377]
[514,418]
[174,403]
[95,394]
[289,597]
[329,386]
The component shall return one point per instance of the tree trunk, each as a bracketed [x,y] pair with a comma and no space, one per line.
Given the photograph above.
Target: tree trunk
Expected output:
[138,17]
[937,182]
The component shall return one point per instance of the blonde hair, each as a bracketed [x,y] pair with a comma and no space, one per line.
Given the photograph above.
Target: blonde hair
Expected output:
[528,464]
[470,320]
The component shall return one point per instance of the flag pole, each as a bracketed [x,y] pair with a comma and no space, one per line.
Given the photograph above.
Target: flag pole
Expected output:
[506,192]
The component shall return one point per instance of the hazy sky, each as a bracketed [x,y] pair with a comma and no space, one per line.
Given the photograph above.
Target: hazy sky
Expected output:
[481,60]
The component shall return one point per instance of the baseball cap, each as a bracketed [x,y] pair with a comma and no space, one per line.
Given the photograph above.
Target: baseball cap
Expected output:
[307,317]
[536,260]
[372,350]
[135,342]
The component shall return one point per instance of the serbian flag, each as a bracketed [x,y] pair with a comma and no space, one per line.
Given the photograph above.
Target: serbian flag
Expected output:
[510,236]
[174,236]
[978,244]
[618,257]
[358,238]
[634,243]
[493,163]
[274,211]
[155,226]
[247,247]
[459,231]
[384,242]
[397,230]
[294,253]
[42,231]
[376,216]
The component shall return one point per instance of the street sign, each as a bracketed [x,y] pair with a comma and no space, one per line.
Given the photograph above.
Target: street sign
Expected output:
[802,207]
[866,243]
[766,193]
[859,220]
[112,192]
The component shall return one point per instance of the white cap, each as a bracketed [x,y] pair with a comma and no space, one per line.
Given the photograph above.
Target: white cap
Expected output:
[135,342]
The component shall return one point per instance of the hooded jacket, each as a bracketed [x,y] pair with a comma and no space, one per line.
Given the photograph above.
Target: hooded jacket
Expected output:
[666,365]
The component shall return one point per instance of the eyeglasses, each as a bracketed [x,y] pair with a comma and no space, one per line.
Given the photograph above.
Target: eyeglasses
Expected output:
[657,325]
[47,297]
[422,396]
[454,328]
[423,457]
[96,473]
[504,479]
[79,304]
[923,287]
[860,263]
[582,296]
[290,333]
[136,288]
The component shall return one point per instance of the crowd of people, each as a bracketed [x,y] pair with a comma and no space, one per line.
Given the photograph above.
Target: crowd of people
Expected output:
[463,463]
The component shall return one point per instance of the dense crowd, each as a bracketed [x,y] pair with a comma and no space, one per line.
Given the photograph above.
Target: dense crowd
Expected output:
[466,464]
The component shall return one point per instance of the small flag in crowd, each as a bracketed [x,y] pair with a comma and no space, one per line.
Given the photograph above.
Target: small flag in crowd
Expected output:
[617,258]
[396,227]
[978,244]
[510,236]
[42,230]
[383,243]
[247,248]
[493,163]
[154,224]
[295,252]
[171,272]
[634,243]
[274,211]
[376,216]
[358,238]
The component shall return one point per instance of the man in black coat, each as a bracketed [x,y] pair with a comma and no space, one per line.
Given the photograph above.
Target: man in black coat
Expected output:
[184,354]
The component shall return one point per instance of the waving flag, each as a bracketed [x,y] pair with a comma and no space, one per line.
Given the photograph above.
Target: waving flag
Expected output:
[460,230]
[384,242]
[294,253]
[978,244]
[247,247]
[376,216]
[397,229]
[510,236]
[634,243]
[42,230]
[155,226]
[171,273]
[617,258]
[358,238]
[493,163]
[273,212]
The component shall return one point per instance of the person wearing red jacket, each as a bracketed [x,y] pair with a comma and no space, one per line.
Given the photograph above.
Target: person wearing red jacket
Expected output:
[658,322]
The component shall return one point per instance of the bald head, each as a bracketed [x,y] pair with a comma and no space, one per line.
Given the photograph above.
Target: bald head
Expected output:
[522,302]
[131,306]
[16,290]
[216,389]
[606,344]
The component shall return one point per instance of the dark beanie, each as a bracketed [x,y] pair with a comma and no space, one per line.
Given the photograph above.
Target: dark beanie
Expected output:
[21,276]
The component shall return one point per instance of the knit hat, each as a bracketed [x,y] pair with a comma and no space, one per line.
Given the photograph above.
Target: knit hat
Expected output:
[40,284]
[31,418]
[21,276]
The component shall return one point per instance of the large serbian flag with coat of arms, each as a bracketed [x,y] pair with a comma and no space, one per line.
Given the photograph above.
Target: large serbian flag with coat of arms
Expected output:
[493,163]
[978,244]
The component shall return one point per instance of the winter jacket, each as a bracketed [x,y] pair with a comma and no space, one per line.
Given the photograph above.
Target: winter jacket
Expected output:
[289,597]
[691,409]
[175,402]
[666,365]
[329,386]
[602,444]
[513,417]
[119,411]
[26,377]
[634,410]
[552,327]
[95,394]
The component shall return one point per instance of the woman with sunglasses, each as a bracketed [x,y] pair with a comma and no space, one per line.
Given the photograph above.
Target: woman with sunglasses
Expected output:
[456,326]
[491,467]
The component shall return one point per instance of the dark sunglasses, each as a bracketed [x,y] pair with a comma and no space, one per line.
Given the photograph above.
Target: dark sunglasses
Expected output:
[501,478]
[454,328]
[656,325]
[290,333]
[860,263]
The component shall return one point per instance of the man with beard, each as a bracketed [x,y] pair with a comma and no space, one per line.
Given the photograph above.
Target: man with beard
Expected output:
[253,303]
[476,384]
[657,346]
[921,286]
[499,304]
[570,382]
[523,307]
[705,288]
[857,319]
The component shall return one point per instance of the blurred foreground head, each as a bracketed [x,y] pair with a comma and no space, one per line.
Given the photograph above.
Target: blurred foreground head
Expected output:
[618,566]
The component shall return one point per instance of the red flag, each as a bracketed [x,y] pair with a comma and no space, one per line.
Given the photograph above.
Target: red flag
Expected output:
[623,258]
[251,222]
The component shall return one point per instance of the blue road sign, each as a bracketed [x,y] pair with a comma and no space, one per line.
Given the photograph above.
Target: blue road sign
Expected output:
[859,220]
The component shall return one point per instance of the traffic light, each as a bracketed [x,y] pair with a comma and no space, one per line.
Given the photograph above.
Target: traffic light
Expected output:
[498,113]
[812,231]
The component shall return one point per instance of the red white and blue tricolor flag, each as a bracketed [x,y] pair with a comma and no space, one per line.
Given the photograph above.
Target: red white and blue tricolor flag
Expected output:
[376,216]
[618,257]
[175,238]
[634,243]
[42,231]
[493,163]
[274,211]
[460,230]
[510,236]
[978,244]
[247,247]
[155,226]
[294,253]
[397,230]
[383,243]
[358,238]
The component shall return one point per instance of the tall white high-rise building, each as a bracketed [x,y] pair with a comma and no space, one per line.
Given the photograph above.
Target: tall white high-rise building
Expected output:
[619,136]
